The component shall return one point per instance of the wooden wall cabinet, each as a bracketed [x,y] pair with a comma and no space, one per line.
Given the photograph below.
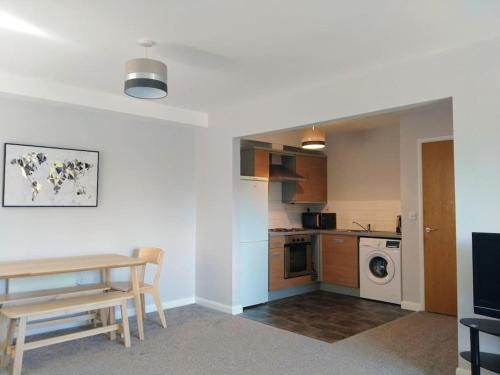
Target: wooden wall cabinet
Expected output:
[311,190]
[254,162]
[340,260]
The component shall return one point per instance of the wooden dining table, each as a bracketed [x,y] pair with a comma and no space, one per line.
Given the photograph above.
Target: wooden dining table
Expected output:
[99,262]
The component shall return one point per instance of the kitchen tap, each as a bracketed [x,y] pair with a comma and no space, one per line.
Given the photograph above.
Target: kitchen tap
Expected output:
[368,227]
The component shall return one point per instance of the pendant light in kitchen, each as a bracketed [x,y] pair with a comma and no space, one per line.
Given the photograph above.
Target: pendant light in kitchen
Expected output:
[313,139]
[145,78]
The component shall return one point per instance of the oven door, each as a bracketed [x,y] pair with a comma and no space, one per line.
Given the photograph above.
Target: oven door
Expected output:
[298,259]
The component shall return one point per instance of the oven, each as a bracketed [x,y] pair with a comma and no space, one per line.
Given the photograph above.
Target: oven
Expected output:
[298,256]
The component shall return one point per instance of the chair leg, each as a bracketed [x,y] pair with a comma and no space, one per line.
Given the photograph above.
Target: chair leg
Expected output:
[143,304]
[112,320]
[125,325]
[4,359]
[18,358]
[159,307]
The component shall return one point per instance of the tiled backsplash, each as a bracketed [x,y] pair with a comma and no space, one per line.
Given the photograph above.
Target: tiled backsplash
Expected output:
[282,215]
[380,214]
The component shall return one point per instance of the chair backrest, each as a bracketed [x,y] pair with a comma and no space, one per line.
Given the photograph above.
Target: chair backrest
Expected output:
[153,256]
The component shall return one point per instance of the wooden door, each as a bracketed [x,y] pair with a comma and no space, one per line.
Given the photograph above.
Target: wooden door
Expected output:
[440,264]
[340,260]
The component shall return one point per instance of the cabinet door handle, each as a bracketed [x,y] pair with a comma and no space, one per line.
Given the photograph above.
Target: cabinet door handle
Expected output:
[339,241]
[275,254]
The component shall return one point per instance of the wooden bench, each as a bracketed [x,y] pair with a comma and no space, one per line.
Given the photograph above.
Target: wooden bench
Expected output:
[20,314]
[51,294]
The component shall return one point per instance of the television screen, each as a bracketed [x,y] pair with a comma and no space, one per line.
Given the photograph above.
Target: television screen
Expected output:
[486,273]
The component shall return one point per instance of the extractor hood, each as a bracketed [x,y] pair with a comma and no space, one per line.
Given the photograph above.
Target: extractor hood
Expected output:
[278,172]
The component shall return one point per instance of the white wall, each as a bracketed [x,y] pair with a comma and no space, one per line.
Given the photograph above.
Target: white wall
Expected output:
[468,74]
[364,165]
[429,122]
[146,191]
[363,177]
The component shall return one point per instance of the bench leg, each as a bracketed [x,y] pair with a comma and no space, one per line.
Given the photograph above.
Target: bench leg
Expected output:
[4,359]
[18,359]
[112,320]
[125,325]
[103,316]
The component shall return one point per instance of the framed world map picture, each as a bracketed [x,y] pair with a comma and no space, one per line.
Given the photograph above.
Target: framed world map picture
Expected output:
[38,176]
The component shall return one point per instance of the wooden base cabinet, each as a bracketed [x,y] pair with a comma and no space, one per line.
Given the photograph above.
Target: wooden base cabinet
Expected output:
[277,279]
[277,263]
[340,260]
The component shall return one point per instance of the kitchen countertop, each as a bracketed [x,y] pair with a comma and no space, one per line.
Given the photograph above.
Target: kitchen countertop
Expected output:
[377,234]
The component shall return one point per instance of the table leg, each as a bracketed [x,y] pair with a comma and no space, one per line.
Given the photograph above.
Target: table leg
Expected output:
[475,363]
[137,299]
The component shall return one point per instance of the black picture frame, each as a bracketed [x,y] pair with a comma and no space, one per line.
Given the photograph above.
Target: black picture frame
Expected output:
[7,144]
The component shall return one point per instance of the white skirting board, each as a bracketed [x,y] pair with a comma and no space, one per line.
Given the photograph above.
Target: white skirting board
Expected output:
[413,306]
[167,305]
[228,309]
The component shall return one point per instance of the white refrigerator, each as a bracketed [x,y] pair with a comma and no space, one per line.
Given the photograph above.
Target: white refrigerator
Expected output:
[253,240]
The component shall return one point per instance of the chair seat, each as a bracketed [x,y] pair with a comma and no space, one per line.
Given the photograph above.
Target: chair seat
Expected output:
[125,286]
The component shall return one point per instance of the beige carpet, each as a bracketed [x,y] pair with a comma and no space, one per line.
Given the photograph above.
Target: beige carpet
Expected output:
[202,341]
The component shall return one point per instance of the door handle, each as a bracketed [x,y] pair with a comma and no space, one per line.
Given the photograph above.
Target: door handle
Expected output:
[428,230]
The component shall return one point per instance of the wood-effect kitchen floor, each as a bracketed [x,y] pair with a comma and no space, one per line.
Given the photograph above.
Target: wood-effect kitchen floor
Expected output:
[325,316]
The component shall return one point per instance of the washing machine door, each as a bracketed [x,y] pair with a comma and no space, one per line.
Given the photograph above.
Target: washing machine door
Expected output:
[379,267]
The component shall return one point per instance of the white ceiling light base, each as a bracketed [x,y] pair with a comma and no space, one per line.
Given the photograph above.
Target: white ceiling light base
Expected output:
[313,139]
[146,78]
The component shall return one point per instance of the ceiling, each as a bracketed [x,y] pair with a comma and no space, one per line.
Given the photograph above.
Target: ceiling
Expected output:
[362,123]
[389,118]
[221,51]
[293,137]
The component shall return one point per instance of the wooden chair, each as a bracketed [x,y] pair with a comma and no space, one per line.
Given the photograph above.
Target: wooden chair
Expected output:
[153,256]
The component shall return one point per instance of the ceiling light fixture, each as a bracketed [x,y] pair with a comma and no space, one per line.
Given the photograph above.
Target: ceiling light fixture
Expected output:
[146,78]
[313,139]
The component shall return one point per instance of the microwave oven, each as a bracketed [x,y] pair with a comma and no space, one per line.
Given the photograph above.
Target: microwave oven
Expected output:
[318,220]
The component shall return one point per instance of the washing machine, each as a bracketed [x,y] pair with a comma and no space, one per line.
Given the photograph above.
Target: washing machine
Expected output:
[380,269]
